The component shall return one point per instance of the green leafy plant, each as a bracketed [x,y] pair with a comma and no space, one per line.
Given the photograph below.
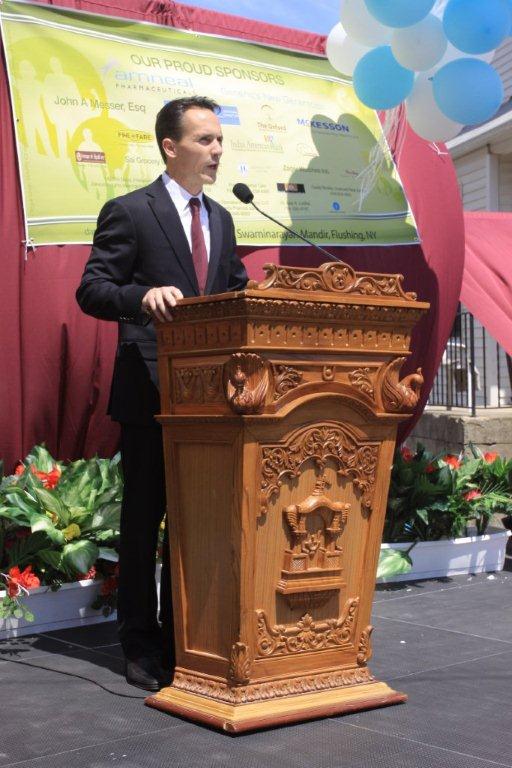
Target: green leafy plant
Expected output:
[62,520]
[435,497]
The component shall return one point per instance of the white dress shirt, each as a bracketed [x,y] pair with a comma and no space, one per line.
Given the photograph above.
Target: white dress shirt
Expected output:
[180,198]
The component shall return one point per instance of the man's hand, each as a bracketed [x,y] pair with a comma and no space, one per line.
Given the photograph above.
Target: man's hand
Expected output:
[158,302]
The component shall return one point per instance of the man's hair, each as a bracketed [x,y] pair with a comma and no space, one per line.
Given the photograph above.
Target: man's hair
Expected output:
[169,121]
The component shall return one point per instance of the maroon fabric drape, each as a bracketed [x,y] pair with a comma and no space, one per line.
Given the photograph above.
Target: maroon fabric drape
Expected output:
[56,363]
[487,280]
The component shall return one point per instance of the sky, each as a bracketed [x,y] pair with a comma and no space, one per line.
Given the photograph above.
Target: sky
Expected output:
[312,15]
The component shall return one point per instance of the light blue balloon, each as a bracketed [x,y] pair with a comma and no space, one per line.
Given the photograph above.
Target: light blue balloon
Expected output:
[399,13]
[477,26]
[380,81]
[468,91]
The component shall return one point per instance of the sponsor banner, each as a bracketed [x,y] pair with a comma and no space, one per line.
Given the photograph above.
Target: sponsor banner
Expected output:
[86,90]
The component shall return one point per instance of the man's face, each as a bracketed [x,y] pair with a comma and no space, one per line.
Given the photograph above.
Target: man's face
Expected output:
[193,160]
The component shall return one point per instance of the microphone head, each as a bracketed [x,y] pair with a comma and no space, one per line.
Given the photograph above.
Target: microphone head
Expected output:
[243,193]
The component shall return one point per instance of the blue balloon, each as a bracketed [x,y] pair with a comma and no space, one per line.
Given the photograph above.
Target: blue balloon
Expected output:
[399,13]
[477,26]
[468,91]
[380,81]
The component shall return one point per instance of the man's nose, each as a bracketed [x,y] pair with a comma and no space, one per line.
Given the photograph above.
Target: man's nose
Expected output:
[217,149]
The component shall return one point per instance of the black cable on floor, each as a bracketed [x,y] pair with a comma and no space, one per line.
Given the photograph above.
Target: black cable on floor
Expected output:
[81,677]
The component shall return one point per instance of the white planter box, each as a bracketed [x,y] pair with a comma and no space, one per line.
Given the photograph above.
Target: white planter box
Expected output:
[449,557]
[70,606]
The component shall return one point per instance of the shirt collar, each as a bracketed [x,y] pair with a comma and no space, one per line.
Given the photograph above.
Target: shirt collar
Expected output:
[179,196]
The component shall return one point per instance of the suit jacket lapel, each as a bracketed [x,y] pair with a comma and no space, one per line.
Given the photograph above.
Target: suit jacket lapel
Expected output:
[170,222]
[215,242]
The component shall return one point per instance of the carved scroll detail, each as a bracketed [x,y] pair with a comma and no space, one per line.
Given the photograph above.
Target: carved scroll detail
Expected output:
[334,278]
[246,382]
[285,379]
[365,646]
[240,664]
[215,689]
[306,635]
[362,379]
[202,384]
[355,459]
[399,396]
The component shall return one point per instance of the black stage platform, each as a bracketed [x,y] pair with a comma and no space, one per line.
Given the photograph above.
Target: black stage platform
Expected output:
[447,643]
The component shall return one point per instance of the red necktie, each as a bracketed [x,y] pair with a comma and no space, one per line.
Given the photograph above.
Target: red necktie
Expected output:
[199,253]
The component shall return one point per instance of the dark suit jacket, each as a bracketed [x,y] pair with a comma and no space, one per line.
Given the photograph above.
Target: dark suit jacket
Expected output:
[139,244]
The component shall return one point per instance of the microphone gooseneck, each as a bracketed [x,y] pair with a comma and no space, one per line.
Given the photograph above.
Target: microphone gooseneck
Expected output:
[243,193]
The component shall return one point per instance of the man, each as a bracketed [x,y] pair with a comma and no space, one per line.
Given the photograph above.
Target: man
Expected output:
[151,248]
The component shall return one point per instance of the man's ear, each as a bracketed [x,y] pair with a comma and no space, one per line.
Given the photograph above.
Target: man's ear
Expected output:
[169,147]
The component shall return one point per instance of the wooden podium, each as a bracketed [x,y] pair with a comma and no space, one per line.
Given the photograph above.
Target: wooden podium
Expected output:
[280,406]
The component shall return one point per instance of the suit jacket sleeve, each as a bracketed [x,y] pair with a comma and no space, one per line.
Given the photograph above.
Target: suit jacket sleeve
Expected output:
[237,275]
[106,290]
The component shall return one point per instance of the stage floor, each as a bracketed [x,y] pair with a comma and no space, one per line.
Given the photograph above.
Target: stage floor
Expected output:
[446,643]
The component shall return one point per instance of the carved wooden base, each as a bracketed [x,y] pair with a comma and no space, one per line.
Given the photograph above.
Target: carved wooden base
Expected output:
[237,718]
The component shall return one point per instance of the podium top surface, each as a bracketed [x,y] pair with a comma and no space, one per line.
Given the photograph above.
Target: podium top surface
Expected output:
[333,282]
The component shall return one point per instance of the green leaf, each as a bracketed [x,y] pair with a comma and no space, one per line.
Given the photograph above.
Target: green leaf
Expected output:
[22,551]
[50,501]
[29,616]
[17,613]
[107,553]
[108,516]
[80,555]
[51,557]
[43,523]
[393,562]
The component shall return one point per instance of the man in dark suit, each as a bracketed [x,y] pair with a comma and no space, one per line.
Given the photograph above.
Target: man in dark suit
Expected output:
[151,248]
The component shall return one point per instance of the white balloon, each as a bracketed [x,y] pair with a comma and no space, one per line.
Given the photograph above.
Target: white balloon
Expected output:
[343,52]
[420,46]
[453,53]
[425,117]
[361,26]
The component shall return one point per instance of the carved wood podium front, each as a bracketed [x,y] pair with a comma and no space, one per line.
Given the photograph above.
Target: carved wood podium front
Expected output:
[280,406]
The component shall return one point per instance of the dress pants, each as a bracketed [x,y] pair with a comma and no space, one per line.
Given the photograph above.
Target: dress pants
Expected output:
[143,509]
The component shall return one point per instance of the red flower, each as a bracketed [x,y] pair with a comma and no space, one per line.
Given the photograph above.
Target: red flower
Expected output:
[490,457]
[474,494]
[430,468]
[407,454]
[91,574]
[48,479]
[109,586]
[17,579]
[451,460]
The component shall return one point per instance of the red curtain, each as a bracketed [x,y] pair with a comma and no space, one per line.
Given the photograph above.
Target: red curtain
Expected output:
[487,280]
[56,362]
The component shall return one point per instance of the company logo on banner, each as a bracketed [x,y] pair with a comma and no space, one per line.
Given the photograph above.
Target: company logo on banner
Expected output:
[86,91]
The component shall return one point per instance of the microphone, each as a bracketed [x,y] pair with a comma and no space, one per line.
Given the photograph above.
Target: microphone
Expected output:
[243,193]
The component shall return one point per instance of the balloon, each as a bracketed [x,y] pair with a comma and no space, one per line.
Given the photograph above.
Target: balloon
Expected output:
[343,52]
[399,13]
[361,26]
[421,46]
[467,91]
[476,26]
[452,54]
[425,117]
[380,81]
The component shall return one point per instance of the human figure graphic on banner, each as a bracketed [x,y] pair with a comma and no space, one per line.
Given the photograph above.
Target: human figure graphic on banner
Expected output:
[31,111]
[90,159]
[152,247]
[62,103]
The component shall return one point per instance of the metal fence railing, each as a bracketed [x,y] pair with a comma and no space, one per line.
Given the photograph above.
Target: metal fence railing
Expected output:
[475,371]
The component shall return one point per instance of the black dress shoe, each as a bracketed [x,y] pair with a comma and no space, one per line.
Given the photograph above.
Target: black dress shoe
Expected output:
[146,673]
